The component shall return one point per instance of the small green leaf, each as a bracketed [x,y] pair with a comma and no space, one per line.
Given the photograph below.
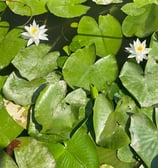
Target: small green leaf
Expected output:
[35,61]
[67,8]
[144,138]
[32,153]
[80,69]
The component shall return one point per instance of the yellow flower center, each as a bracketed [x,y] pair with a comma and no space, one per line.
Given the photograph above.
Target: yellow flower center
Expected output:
[33,31]
[140,48]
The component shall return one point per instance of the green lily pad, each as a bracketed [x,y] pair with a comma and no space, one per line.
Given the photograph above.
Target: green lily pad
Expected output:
[139,25]
[10,45]
[67,8]
[102,108]
[106,34]
[35,61]
[20,90]
[57,113]
[144,138]
[32,153]
[142,85]
[9,129]
[81,70]
[27,8]
[78,152]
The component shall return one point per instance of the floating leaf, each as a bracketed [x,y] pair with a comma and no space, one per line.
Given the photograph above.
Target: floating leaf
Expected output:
[144,138]
[102,108]
[139,25]
[10,45]
[35,61]
[67,8]
[77,152]
[109,156]
[9,129]
[81,70]
[136,81]
[59,115]
[20,90]
[32,153]
[26,7]
[106,35]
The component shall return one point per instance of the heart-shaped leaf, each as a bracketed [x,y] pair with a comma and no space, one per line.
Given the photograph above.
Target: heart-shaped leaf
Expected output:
[77,152]
[67,8]
[59,115]
[81,70]
[32,153]
[142,85]
[106,35]
[35,61]
[144,138]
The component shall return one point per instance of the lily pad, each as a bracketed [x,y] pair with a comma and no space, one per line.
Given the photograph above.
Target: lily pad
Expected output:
[78,152]
[144,138]
[106,34]
[19,90]
[81,70]
[32,153]
[10,46]
[67,8]
[27,8]
[142,85]
[57,113]
[139,25]
[35,61]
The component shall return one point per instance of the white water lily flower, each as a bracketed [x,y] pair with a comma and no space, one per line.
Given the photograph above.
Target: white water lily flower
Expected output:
[138,50]
[34,33]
